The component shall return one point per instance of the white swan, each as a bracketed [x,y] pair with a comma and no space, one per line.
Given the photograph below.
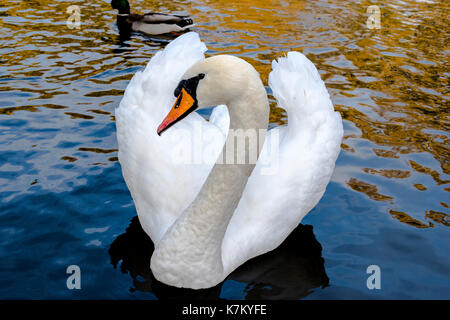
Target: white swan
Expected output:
[207,219]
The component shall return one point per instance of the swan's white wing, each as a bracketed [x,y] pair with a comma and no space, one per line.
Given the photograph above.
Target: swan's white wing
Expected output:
[221,118]
[164,173]
[286,183]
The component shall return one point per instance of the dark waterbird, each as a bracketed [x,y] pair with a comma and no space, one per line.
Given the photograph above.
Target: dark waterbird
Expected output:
[151,23]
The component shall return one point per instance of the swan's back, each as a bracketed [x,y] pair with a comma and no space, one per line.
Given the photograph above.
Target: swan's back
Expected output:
[274,202]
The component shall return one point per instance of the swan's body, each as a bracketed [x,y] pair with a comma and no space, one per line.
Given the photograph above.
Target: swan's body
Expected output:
[151,23]
[206,219]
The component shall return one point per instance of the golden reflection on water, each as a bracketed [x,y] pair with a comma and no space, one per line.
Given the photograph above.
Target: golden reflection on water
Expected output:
[391,85]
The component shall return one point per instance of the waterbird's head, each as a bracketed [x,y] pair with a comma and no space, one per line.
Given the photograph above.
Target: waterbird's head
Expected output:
[211,82]
[122,5]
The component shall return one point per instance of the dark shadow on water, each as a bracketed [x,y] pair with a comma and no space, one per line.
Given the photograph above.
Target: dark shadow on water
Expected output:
[291,271]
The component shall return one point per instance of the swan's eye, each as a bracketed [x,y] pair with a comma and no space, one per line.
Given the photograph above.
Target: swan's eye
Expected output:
[177,91]
[190,85]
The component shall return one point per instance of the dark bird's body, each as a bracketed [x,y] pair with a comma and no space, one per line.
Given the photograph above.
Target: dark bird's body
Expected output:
[151,23]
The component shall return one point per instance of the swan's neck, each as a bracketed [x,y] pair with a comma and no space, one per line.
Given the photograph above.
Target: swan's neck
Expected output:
[190,253]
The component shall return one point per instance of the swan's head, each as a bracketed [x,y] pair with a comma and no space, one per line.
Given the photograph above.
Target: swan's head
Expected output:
[211,82]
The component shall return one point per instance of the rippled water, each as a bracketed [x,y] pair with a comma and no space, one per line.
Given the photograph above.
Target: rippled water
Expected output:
[63,200]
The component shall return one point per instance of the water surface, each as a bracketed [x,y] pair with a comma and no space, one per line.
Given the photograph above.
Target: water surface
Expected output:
[63,199]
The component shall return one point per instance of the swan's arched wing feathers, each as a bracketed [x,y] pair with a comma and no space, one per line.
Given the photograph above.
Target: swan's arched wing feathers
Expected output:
[298,88]
[275,201]
[161,176]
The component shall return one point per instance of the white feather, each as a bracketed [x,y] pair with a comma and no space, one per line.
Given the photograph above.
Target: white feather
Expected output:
[161,190]
[272,205]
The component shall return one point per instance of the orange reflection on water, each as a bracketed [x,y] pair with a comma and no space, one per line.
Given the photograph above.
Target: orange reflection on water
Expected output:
[391,85]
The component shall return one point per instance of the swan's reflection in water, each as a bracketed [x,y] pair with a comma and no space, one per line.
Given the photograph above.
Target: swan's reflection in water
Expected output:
[289,272]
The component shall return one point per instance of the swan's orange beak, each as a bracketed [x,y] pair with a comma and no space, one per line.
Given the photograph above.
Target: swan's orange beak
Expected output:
[184,105]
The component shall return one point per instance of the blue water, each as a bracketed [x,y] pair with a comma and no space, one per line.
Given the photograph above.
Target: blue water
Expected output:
[63,200]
